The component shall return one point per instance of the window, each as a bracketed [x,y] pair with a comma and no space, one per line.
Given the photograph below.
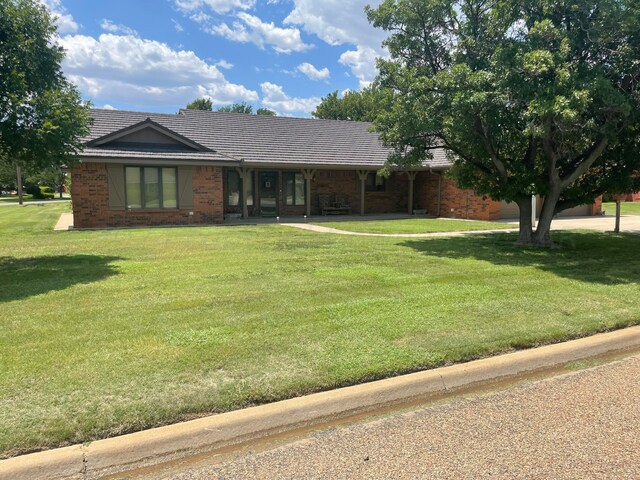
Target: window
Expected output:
[375,183]
[294,188]
[234,189]
[151,187]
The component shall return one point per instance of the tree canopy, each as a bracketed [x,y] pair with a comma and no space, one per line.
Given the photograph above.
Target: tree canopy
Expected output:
[42,117]
[237,108]
[206,104]
[201,104]
[358,105]
[265,111]
[537,97]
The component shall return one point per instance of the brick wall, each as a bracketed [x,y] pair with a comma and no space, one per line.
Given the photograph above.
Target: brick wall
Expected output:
[454,202]
[629,197]
[344,183]
[91,201]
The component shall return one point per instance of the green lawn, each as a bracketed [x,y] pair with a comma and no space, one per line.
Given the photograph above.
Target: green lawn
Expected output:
[626,208]
[416,225]
[107,332]
[28,198]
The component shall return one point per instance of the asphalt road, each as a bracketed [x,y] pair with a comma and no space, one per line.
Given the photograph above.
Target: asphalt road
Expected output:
[583,425]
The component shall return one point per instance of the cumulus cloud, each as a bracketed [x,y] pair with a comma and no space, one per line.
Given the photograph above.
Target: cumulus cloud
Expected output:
[274,98]
[109,26]
[144,72]
[224,64]
[350,27]
[249,28]
[106,106]
[362,63]
[218,6]
[312,72]
[63,20]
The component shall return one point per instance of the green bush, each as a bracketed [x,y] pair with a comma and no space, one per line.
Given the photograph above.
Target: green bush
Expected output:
[47,190]
[34,190]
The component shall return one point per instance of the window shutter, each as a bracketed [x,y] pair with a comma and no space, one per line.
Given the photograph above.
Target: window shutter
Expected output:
[185,188]
[115,180]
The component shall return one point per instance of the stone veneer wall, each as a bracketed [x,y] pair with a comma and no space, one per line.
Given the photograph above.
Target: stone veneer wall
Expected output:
[91,201]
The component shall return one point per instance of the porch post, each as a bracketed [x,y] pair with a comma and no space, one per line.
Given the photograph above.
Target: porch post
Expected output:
[412,176]
[308,176]
[245,175]
[362,175]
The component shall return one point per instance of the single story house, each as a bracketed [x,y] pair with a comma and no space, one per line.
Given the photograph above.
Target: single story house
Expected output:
[198,167]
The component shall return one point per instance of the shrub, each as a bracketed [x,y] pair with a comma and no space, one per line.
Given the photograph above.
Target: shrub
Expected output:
[35,191]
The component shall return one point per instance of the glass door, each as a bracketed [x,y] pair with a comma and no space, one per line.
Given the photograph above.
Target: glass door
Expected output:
[268,194]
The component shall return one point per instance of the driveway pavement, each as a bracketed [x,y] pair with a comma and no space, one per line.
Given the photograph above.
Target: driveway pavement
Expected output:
[576,426]
[603,223]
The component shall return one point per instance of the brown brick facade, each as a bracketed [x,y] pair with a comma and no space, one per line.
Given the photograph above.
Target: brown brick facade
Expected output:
[344,183]
[91,201]
[438,195]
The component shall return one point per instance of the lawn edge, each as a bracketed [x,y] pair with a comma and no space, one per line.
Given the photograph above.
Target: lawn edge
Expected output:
[160,444]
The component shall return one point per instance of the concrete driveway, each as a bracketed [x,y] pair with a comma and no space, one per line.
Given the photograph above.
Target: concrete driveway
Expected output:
[601,223]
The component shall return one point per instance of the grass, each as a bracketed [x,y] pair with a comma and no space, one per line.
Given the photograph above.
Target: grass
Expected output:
[626,208]
[416,225]
[28,198]
[108,332]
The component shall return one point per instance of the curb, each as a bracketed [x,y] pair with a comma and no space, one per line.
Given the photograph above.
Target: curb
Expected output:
[183,439]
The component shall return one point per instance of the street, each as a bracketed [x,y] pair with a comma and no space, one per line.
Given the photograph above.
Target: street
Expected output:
[576,426]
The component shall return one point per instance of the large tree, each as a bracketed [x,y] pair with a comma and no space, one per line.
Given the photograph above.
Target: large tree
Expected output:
[42,117]
[201,104]
[358,105]
[529,97]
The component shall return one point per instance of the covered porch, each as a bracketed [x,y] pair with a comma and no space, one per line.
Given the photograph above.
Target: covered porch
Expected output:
[251,193]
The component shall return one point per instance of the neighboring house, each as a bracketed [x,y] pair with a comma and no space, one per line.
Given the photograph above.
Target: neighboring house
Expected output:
[199,167]
[628,197]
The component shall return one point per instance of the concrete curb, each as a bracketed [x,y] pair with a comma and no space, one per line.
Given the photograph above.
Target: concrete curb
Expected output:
[160,444]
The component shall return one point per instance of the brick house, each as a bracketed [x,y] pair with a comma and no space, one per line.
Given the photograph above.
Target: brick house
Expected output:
[198,167]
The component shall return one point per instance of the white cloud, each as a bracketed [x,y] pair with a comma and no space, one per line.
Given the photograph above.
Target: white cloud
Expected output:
[178,27]
[224,64]
[337,21]
[144,72]
[312,72]
[349,27]
[63,20]
[362,63]
[274,98]
[106,106]
[218,6]
[249,28]
[109,26]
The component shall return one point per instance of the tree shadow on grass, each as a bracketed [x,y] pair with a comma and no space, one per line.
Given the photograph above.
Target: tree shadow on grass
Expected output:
[25,277]
[592,257]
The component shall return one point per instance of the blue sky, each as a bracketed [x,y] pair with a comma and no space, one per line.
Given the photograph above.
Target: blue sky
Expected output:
[157,55]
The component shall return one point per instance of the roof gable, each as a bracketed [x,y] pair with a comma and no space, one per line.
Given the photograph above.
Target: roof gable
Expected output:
[150,134]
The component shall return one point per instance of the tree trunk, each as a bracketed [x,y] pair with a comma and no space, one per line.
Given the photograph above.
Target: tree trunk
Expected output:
[617,227]
[19,184]
[542,235]
[526,228]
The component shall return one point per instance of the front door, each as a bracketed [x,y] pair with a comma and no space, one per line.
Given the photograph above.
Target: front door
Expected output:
[268,194]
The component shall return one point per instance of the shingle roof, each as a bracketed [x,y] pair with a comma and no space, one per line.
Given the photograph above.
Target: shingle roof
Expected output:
[257,139]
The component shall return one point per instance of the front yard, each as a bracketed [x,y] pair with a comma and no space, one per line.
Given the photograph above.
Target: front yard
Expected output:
[416,225]
[107,332]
